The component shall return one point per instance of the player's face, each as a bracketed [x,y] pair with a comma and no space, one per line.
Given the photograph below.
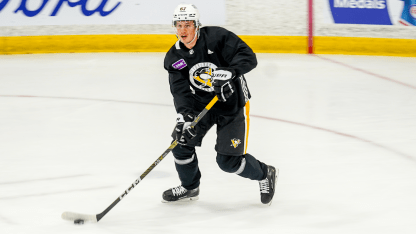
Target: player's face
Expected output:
[186,32]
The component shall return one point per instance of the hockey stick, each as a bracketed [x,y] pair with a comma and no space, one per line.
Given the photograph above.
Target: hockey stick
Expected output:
[72,216]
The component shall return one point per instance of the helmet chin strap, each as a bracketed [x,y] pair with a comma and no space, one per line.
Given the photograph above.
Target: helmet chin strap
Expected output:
[196,33]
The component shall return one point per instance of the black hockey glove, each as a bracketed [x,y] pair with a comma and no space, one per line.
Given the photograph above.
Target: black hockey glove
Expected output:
[222,82]
[183,131]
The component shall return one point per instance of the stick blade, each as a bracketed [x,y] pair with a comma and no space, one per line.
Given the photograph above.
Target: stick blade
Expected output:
[71,216]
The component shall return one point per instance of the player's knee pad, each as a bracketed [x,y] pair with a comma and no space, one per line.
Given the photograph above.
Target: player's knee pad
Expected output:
[231,164]
[184,154]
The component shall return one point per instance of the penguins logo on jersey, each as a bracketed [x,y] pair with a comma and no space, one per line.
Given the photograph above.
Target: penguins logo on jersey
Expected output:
[235,142]
[200,76]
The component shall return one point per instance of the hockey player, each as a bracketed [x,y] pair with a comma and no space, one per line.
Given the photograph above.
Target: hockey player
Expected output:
[205,62]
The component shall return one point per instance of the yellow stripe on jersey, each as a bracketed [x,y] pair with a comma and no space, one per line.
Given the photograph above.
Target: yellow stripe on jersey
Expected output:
[247,115]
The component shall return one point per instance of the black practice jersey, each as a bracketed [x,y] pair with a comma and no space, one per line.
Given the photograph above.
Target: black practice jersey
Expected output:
[190,69]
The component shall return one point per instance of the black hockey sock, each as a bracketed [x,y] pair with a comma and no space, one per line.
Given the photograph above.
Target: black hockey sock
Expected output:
[254,169]
[246,166]
[186,163]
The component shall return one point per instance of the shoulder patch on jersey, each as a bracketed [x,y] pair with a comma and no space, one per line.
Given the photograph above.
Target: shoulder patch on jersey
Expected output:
[180,64]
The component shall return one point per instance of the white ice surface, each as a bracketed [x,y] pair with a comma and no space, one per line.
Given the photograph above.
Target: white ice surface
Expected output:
[77,129]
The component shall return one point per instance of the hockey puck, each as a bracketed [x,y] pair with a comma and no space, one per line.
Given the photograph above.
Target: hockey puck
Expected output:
[79,221]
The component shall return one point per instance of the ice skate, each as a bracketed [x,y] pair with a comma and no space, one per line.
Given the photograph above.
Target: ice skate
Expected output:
[180,194]
[267,186]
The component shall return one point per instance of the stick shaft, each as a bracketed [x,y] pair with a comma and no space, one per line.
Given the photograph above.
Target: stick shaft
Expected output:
[155,163]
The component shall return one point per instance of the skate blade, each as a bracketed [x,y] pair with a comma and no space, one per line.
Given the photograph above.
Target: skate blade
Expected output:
[188,199]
